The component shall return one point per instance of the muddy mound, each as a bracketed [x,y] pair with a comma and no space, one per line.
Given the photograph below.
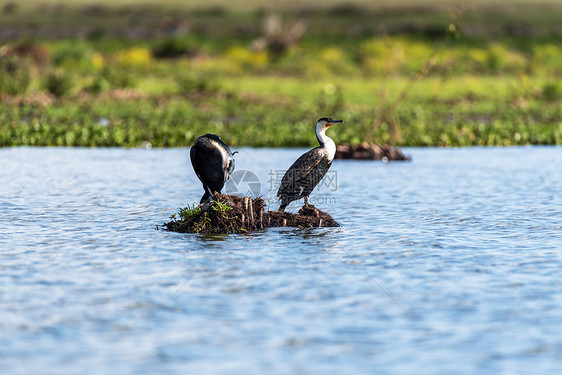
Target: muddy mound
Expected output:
[233,214]
[370,151]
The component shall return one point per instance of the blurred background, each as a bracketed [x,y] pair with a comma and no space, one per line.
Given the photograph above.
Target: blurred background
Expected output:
[259,73]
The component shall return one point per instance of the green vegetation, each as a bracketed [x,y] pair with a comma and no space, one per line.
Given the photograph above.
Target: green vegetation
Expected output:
[416,77]
[225,214]
[192,219]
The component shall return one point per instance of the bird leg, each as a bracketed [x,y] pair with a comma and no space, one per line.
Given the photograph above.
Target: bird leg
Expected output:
[207,199]
[205,206]
[210,194]
[306,200]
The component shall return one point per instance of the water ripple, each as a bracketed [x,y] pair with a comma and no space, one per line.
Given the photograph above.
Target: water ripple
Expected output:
[466,242]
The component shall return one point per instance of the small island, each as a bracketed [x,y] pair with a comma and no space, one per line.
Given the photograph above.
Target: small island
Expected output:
[234,214]
[370,151]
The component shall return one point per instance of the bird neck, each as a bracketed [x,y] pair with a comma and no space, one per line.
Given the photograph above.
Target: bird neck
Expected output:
[325,142]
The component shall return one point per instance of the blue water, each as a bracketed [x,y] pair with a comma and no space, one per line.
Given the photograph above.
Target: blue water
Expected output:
[449,264]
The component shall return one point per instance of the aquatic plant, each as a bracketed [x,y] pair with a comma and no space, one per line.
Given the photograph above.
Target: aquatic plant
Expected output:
[221,207]
[186,213]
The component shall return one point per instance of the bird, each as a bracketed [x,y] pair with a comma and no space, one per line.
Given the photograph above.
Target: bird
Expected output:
[307,171]
[213,162]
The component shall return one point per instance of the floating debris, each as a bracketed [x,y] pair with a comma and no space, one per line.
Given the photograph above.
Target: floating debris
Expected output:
[370,151]
[233,214]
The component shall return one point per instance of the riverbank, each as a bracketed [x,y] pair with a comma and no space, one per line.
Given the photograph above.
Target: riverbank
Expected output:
[437,82]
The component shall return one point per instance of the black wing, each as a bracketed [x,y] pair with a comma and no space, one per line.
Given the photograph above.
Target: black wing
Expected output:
[212,161]
[228,159]
[300,169]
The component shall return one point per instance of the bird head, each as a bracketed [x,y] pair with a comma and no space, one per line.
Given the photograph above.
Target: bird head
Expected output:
[326,122]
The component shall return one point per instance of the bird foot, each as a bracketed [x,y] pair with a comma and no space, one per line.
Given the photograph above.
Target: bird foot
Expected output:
[205,206]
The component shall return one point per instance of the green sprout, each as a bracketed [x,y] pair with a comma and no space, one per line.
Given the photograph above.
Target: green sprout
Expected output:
[188,212]
[221,207]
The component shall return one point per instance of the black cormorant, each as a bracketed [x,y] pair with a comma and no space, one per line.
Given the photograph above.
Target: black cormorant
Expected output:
[305,173]
[213,163]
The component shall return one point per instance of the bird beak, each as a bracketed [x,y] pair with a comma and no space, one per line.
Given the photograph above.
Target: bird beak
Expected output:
[335,122]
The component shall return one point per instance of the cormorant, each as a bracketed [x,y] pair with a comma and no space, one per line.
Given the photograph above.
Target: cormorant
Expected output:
[213,163]
[305,173]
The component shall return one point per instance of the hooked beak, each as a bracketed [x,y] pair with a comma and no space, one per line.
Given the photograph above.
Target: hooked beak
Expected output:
[334,122]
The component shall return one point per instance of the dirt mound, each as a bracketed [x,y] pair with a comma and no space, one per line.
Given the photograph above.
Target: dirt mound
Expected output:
[308,217]
[233,214]
[370,151]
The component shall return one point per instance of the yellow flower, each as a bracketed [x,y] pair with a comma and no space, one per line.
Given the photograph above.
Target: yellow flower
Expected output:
[260,59]
[134,57]
[98,60]
[246,58]
[332,54]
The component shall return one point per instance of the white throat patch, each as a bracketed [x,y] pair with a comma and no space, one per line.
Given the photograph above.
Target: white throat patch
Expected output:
[329,144]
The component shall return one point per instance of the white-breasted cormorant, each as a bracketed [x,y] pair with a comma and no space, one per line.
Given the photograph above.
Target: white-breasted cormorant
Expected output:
[305,173]
[213,163]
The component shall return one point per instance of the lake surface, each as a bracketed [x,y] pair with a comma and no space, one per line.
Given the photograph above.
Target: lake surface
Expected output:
[449,264]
